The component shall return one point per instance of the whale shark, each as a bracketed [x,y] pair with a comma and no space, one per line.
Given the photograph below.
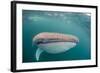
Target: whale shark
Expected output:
[53,43]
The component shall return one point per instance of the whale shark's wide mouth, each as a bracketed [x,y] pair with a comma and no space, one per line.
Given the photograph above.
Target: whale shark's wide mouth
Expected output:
[47,41]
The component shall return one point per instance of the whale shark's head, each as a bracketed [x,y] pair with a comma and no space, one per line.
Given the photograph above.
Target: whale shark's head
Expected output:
[54,43]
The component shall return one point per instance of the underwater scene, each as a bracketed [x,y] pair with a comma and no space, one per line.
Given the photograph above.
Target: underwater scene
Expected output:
[55,36]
